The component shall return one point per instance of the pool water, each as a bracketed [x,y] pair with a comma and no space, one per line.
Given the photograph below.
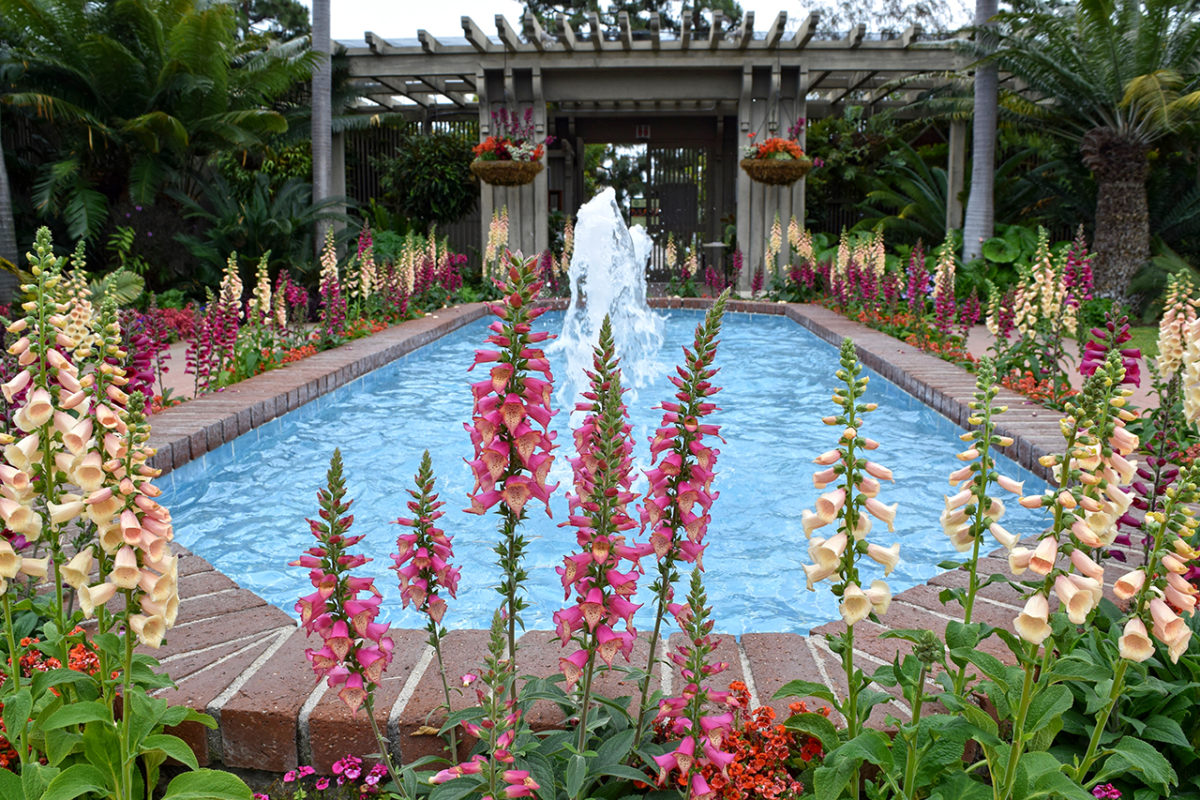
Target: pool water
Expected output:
[243,506]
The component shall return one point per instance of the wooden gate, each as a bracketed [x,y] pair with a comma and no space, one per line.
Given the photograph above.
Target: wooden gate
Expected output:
[677,187]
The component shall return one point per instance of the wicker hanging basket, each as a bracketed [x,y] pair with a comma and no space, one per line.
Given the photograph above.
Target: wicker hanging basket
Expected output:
[506,173]
[777,171]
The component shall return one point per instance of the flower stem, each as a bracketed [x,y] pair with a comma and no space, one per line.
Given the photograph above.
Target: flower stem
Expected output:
[850,711]
[369,705]
[126,730]
[14,669]
[1004,790]
[587,693]
[509,564]
[910,760]
[436,641]
[664,571]
[1114,695]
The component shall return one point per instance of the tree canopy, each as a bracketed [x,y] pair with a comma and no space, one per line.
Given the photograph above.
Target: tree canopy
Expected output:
[138,94]
[639,11]
[1114,77]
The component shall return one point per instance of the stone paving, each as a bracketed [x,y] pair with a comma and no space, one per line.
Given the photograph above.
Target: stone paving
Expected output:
[243,662]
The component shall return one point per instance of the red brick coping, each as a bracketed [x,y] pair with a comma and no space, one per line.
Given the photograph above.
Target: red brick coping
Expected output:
[243,662]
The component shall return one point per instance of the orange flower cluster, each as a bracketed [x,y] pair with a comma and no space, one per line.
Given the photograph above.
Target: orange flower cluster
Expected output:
[295,354]
[500,148]
[1036,390]
[766,755]
[358,328]
[952,350]
[775,145]
[81,658]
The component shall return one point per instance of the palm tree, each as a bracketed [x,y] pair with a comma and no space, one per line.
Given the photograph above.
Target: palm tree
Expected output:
[322,112]
[980,216]
[8,228]
[1115,76]
[139,92]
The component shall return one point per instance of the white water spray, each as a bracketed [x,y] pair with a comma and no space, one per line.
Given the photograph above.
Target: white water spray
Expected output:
[608,276]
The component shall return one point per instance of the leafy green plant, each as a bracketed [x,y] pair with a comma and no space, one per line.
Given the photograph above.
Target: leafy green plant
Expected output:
[265,220]
[428,179]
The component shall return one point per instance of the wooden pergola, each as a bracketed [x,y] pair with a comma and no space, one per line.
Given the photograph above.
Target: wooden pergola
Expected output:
[667,90]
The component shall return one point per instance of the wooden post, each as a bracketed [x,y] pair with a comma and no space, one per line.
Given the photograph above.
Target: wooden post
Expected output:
[743,180]
[955,174]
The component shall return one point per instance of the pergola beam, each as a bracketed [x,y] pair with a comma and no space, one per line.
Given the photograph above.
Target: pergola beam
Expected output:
[403,91]
[534,32]
[855,82]
[855,39]
[429,42]
[566,34]
[840,59]
[597,33]
[746,31]
[626,33]
[714,33]
[439,86]
[377,43]
[775,32]
[476,36]
[512,41]
[817,79]
[806,31]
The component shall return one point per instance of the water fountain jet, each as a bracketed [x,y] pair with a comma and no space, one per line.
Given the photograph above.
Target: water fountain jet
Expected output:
[608,276]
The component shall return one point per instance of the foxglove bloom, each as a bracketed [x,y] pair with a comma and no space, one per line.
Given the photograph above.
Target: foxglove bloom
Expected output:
[680,495]
[422,563]
[1104,340]
[599,512]
[333,301]
[696,715]
[943,289]
[356,649]
[852,503]
[509,426]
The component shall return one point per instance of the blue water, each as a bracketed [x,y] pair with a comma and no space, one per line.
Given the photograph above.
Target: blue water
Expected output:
[243,506]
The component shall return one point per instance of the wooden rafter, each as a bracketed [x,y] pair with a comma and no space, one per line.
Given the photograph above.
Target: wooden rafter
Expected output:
[626,33]
[855,82]
[714,33]
[429,42]
[476,36]
[566,34]
[806,31]
[775,32]
[507,35]
[855,39]
[597,32]
[534,32]
[745,32]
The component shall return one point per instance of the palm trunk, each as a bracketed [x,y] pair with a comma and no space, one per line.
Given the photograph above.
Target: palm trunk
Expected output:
[8,232]
[322,114]
[979,220]
[1122,238]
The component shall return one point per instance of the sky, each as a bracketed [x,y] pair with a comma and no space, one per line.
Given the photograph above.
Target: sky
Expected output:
[401,19]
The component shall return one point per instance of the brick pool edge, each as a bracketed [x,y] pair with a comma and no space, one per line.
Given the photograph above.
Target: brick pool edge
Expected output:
[242,660]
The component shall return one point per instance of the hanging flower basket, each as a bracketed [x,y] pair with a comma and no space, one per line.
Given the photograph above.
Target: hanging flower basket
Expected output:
[777,171]
[506,173]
